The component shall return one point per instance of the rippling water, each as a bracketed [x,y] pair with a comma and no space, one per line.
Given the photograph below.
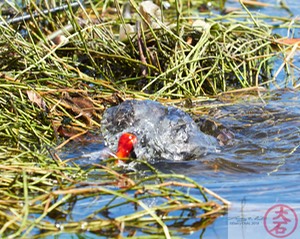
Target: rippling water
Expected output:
[261,164]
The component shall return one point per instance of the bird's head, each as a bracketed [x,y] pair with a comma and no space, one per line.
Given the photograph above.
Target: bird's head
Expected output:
[126,145]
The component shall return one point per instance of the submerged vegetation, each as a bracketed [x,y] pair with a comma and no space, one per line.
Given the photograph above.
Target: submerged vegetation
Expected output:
[41,200]
[62,66]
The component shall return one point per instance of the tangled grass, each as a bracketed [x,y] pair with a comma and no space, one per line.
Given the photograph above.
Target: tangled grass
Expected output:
[39,201]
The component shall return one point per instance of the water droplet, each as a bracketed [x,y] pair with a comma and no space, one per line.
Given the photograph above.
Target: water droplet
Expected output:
[84,225]
[59,226]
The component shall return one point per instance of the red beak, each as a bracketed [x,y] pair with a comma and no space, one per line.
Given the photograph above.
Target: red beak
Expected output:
[126,144]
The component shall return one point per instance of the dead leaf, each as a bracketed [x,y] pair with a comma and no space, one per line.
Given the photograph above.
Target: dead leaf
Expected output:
[77,134]
[254,3]
[151,12]
[37,99]
[289,41]
[82,106]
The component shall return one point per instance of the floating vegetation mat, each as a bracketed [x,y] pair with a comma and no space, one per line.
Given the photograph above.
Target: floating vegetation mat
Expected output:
[36,202]
[141,49]
[61,66]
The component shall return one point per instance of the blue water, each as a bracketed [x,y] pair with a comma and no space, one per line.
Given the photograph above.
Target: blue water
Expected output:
[262,166]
